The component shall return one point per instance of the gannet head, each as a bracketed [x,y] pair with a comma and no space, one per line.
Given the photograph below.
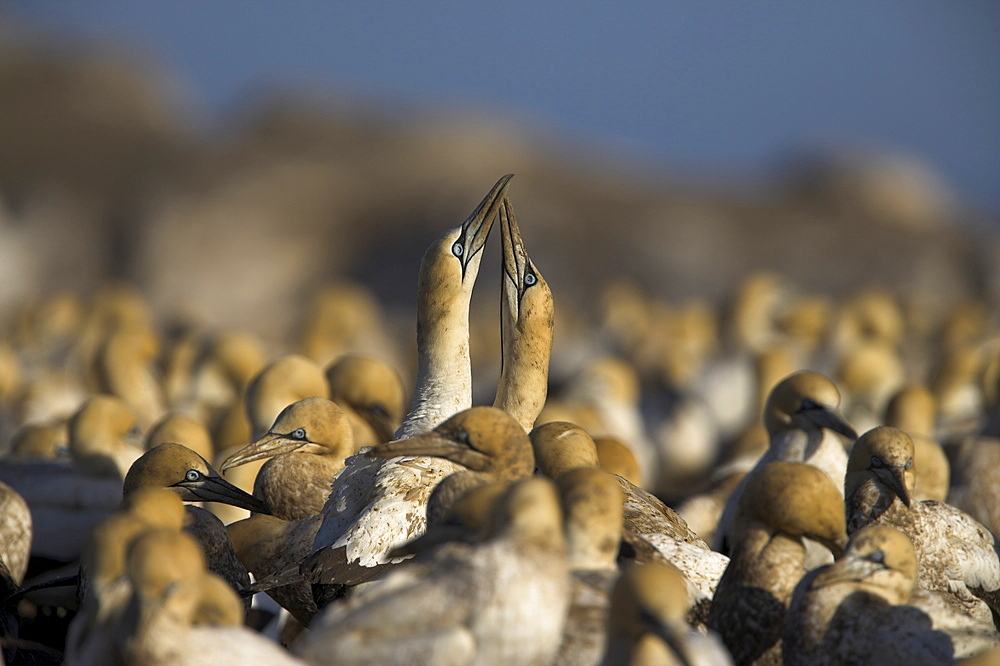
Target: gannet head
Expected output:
[235,355]
[887,454]
[799,500]
[101,430]
[372,388]
[218,604]
[912,409]
[186,473]
[482,439]
[182,429]
[881,559]
[649,600]
[157,507]
[561,446]
[526,325]
[40,440]
[280,383]
[454,257]
[594,504]
[529,511]
[807,401]
[614,456]
[164,567]
[313,425]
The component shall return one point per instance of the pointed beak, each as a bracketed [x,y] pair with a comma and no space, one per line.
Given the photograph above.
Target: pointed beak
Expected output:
[432,444]
[845,570]
[895,478]
[268,446]
[217,489]
[831,419]
[515,259]
[477,226]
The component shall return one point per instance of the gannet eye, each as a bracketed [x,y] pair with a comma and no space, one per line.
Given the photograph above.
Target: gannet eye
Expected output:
[379,409]
[877,556]
[192,475]
[457,249]
[462,437]
[909,464]
[809,404]
[299,433]
[530,279]
[877,462]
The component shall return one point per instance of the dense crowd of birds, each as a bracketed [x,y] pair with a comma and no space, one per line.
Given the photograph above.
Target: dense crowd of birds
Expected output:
[799,481]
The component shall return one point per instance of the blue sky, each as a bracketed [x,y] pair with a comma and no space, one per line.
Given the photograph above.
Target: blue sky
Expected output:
[723,87]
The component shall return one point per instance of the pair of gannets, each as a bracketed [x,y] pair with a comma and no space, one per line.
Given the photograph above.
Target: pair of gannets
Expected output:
[957,555]
[866,609]
[803,425]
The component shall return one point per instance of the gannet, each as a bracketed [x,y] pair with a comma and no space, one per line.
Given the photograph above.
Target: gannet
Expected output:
[649,524]
[281,382]
[125,366]
[803,425]
[376,506]
[913,410]
[975,488]
[181,470]
[782,503]
[863,609]
[40,441]
[526,321]
[869,374]
[646,622]
[306,448]
[181,429]
[957,555]
[371,392]
[593,504]
[501,601]
[104,437]
[103,588]
[181,614]
[615,457]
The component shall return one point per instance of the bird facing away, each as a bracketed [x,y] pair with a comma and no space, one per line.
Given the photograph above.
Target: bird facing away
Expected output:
[500,601]
[376,505]
[646,622]
[371,392]
[864,609]
[803,425]
[526,322]
[306,447]
[783,503]
[957,555]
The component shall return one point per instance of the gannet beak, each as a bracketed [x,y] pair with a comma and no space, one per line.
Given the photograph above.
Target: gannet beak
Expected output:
[216,489]
[895,478]
[849,569]
[432,444]
[515,259]
[268,446]
[831,419]
[476,227]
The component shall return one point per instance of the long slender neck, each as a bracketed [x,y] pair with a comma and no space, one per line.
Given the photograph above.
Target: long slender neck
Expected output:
[444,368]
[524,376]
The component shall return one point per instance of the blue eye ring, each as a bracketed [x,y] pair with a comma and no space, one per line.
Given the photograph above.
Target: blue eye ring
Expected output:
[457,249]
[299,433]
[192,475]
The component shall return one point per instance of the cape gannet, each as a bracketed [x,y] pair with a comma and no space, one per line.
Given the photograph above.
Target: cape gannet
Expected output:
[957,555]
[15,533]
[125,366]
[782,503]
[181,470]
[183,429]
[371,392]
[803,425]
[305,448]
[614,456]
[593,504]
[377,505]
[104,437]
[863,609]
[501,601]
[181,614]
[526,323]
[646,622]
